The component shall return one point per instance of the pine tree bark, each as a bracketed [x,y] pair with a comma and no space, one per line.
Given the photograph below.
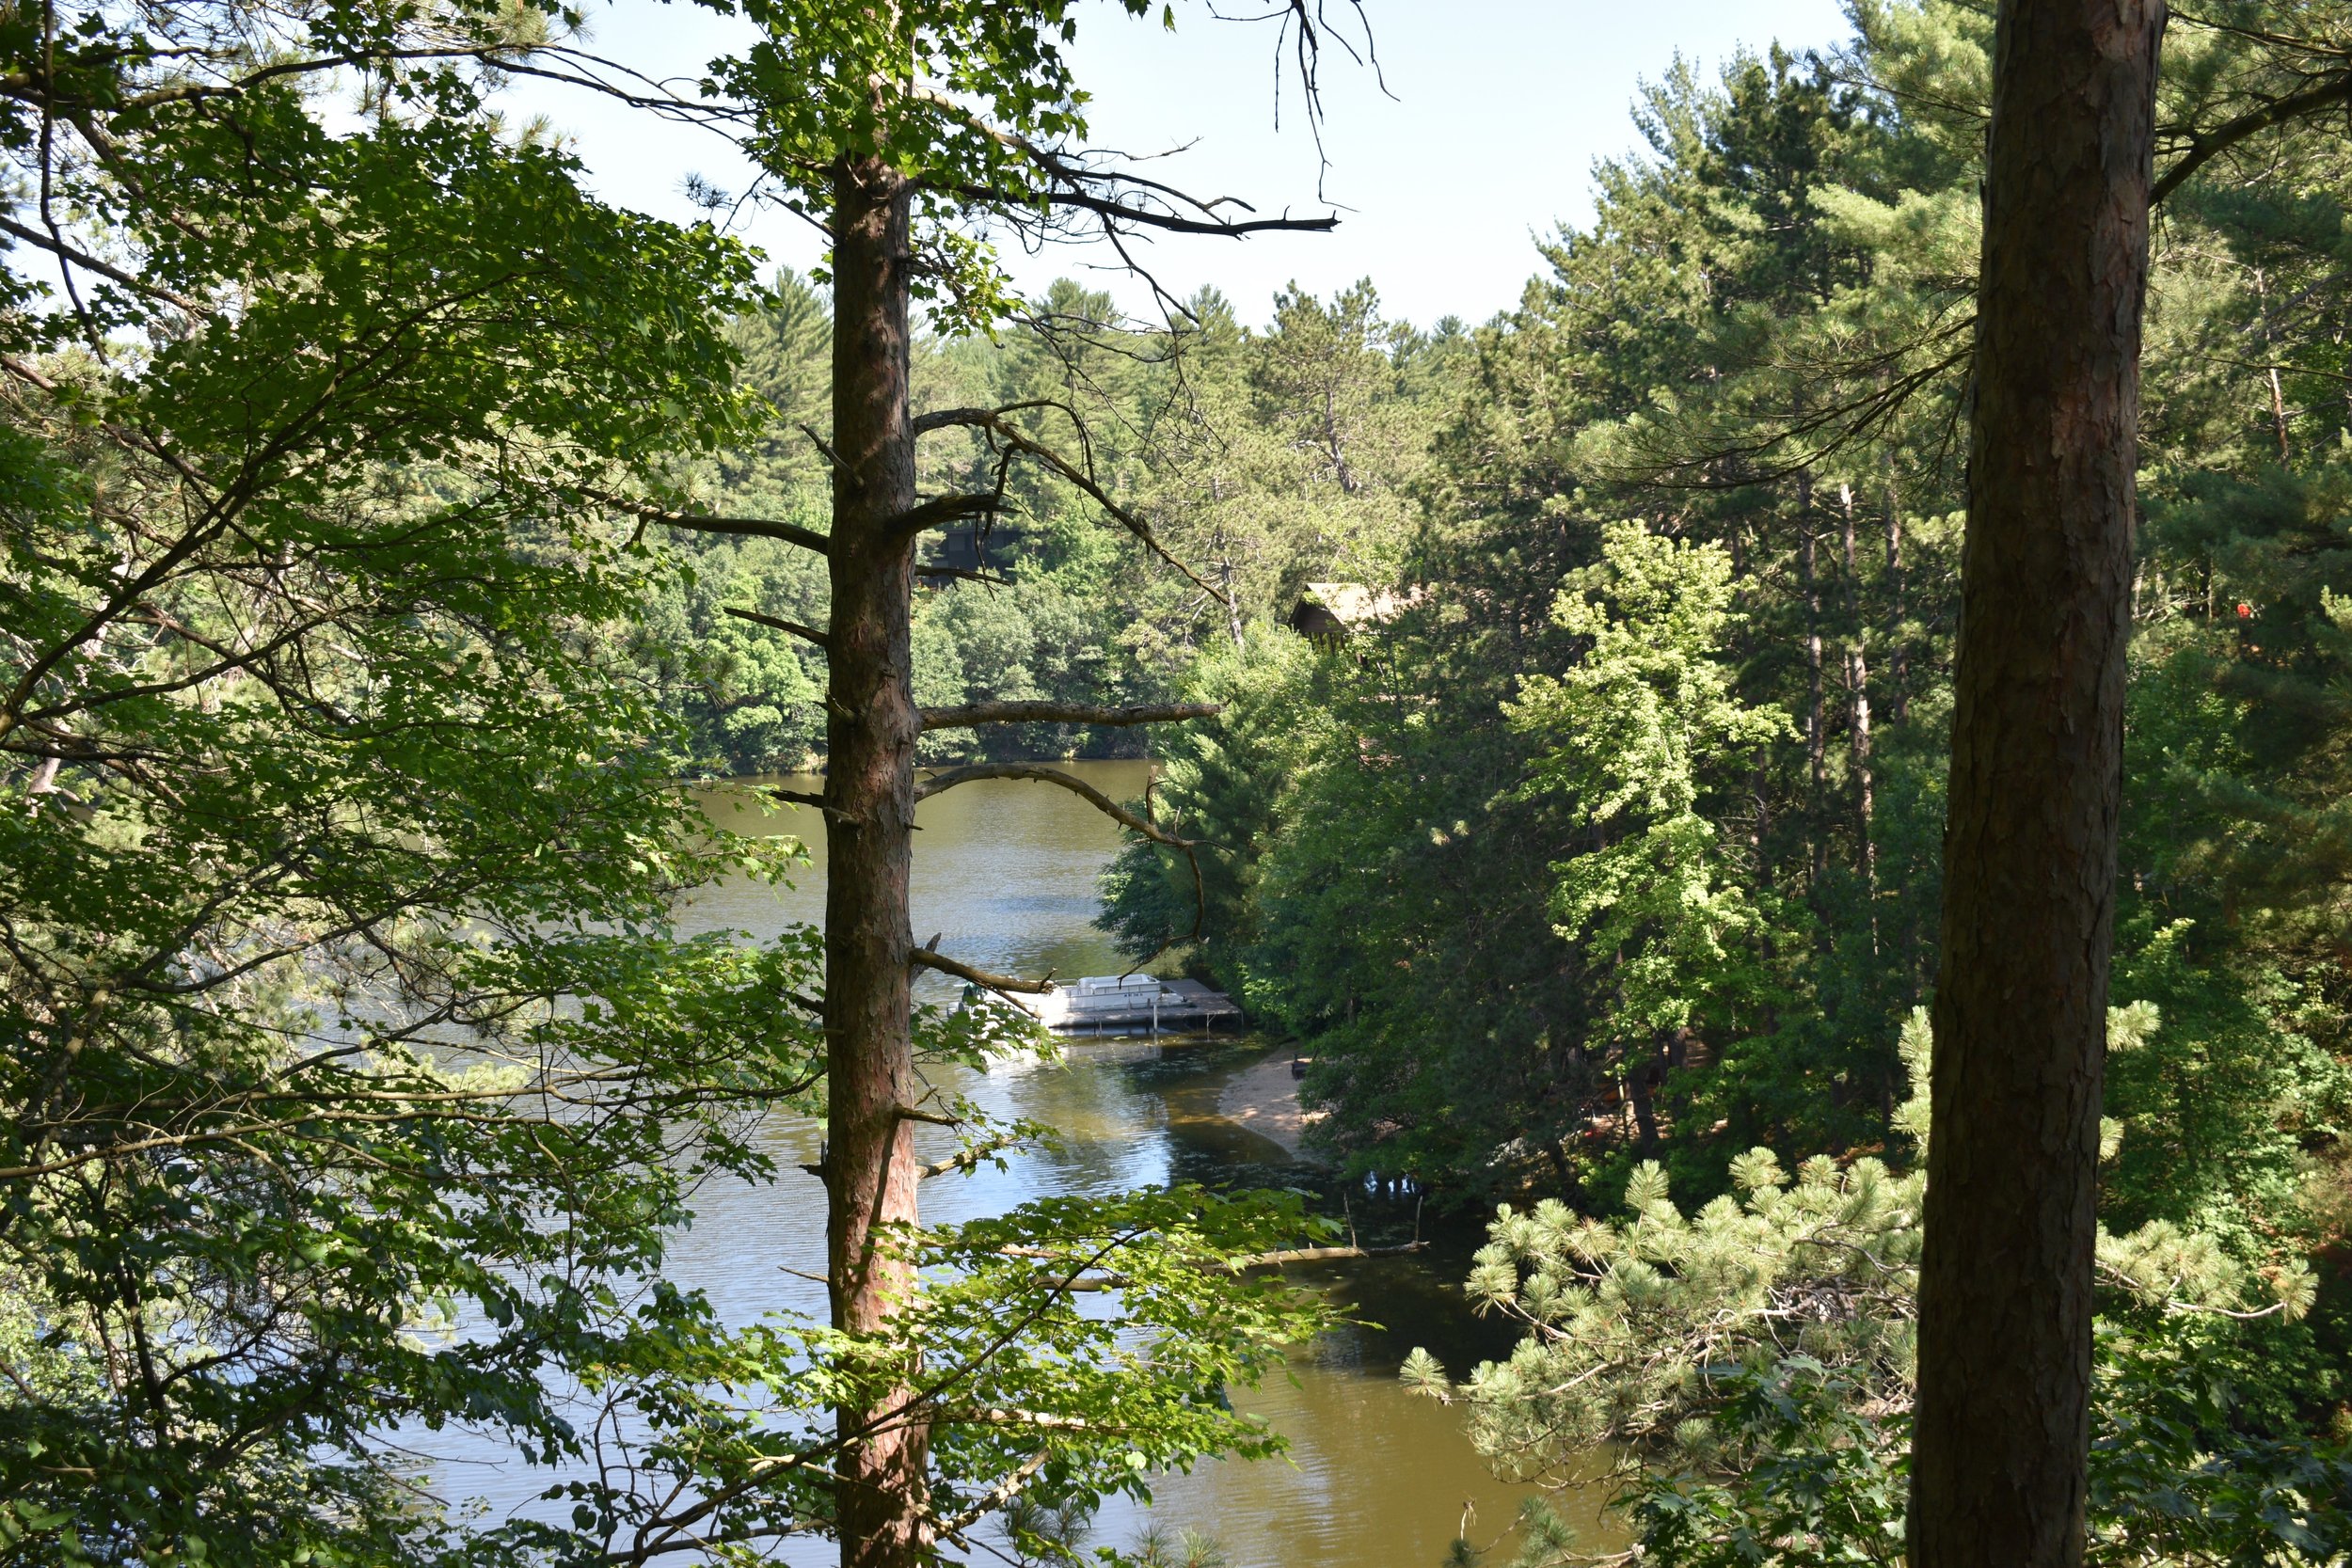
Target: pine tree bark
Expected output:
[2002,1425]
[1898,594]
[1858,720]
[1815,723]
[870,733]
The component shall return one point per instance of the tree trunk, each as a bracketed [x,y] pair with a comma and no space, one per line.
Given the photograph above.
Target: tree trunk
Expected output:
[2270,346]
[1816,726]
[870,734]
[1898,609]
[1858,725]
[2002,1424]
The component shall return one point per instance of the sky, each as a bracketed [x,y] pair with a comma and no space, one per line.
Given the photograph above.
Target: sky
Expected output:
[1483,142]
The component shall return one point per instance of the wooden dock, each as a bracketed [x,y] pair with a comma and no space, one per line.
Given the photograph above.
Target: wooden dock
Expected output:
[1131,1004]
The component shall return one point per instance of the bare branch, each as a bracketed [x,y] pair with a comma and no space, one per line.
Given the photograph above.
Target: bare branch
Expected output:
[758,527]
[1063,713]
[940,782]
[967,1158]
[1116,210]
[801,798]
[943,418]
[931,959]
[964,574]
[809,634]
[1100,801]
[998,1496]
[104,269]
[1317,1255]
[1279,1258]
[1003,431]
[824,448]
[942,510]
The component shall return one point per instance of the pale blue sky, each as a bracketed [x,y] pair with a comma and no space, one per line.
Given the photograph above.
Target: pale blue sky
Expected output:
[1500,109]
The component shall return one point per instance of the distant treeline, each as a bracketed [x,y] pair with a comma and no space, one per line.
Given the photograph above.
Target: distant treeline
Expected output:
[1265,459]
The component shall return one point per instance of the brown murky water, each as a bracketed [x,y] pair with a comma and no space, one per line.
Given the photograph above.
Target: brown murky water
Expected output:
[1006,870]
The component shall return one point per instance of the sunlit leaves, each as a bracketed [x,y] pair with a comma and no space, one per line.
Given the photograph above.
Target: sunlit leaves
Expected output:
[1638,731]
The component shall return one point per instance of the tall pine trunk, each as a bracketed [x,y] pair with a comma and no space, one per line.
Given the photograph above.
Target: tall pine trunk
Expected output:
[1858,720]
[870,734]
[1898,607]
[1815,724]
[2002,1424]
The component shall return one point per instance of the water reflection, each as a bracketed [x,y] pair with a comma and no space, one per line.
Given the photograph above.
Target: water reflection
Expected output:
[1004,870]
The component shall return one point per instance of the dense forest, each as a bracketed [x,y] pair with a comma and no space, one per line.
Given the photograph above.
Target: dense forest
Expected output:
[1561,721]
[1272,458]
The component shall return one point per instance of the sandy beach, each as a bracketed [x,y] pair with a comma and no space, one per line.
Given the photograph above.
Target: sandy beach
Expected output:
[1266,1100]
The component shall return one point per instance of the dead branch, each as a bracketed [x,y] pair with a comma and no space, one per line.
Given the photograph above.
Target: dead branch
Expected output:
[964,574]
[967,1158]
[1045,1419]
[1003,434]
[758,527]
[929,958]
[942,510]
[809,634]
[1063,713]
[945,417]
[107,270]
[1100,801]
[801,798]
[824,448]
[1281,1257]
[1004,1492]
[1317,1255]
[940,782]
[1112,210]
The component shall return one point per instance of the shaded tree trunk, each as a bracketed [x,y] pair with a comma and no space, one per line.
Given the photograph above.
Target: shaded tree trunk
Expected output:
[1898,607]
[2002,1425]
[1816,726]
[2270,348]
[1858,723]
[870,733]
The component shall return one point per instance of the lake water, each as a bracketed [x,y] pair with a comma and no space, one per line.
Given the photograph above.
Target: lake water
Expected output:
[1005,871]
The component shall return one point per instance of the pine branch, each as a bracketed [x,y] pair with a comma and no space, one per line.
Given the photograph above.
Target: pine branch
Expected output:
[806,633]
[940,782]
[757,528]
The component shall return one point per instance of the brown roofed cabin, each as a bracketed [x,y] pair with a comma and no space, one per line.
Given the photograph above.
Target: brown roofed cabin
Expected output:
[1335,611]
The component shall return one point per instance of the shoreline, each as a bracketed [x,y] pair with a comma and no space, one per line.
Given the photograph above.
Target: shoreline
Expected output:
[1264,1099]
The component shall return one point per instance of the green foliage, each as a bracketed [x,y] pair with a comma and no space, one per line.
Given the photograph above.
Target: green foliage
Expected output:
[1184,1549]
[1269,460]
[356,1076]
[2169,1481]
[1624,924]
[1637,730]
[338,1005]
[1749,1365]
[1220,782]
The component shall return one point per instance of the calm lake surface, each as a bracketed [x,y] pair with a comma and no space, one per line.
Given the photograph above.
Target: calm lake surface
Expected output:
[1006,870]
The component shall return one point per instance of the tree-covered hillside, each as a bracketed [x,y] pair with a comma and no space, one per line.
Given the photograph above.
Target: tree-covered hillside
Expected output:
[1269,458]
[1621,841]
